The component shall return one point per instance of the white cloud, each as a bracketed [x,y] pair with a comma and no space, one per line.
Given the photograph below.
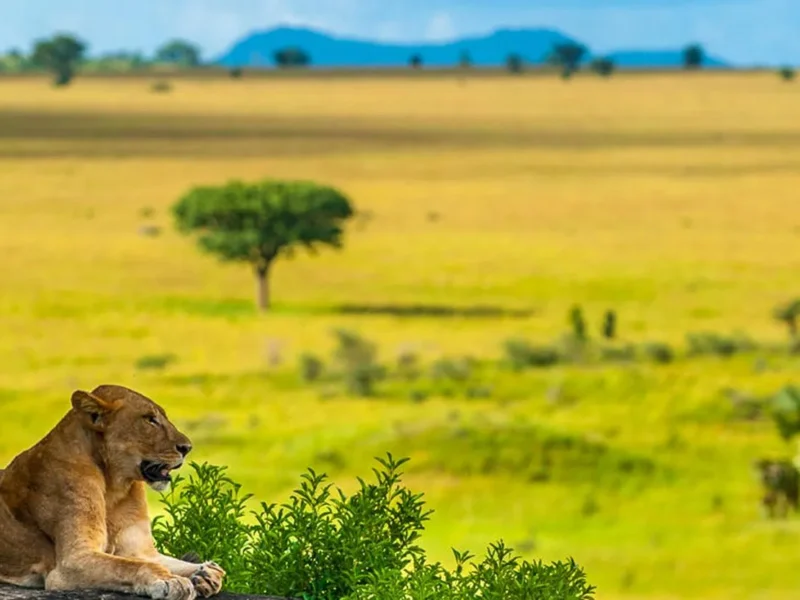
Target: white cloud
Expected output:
[440,27]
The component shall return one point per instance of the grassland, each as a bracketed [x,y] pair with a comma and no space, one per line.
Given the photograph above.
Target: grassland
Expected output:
[670,199]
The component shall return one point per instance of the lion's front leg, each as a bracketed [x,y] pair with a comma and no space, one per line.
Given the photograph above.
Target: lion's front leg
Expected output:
[207,577]
[136,541]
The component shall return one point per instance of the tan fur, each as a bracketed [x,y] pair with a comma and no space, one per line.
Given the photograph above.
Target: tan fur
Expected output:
[73,512]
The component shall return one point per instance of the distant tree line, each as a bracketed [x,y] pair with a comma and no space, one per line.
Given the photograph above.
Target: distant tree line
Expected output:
[64,55]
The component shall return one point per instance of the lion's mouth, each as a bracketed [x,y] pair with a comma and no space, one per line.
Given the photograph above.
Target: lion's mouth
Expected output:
[156,472]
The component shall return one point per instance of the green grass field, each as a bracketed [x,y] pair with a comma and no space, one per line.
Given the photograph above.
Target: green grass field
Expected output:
[671,199]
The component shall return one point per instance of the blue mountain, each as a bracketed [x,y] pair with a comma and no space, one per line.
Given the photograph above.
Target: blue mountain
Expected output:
[327,50]
[332,51]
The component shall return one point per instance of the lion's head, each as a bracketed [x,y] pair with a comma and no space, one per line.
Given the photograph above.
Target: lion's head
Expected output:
[136,439]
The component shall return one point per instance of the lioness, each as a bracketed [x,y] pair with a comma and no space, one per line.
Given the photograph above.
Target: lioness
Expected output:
[72,508]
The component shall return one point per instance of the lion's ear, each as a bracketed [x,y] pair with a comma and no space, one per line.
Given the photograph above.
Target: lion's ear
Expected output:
[92,409]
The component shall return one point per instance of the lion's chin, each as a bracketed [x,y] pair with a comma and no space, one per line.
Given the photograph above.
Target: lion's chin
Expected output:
[159,486]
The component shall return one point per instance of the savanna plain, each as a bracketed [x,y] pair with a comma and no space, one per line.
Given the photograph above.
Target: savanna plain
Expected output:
[671,199]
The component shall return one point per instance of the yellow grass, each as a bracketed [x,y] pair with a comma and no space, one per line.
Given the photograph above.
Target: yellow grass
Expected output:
[672,199]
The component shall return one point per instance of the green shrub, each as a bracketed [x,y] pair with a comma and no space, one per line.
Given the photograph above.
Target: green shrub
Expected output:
[659,352]
[521,354]
[788,313]
[452,369]
[624,353]
[155,362]
[324,545]
[311,368]
[578,324]
[610,325]
[787,73]
[706,343]
[786,412]
[357,361]
[161,87]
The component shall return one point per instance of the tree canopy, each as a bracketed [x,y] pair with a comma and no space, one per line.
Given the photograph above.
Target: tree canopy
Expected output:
[60,54]
[256,223]
[292,57]
[179,52]
[693,56]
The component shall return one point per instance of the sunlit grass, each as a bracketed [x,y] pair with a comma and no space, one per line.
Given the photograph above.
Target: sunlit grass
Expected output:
[669,199]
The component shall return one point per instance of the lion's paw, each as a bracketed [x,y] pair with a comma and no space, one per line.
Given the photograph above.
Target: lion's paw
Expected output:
[207,580]
[174,588]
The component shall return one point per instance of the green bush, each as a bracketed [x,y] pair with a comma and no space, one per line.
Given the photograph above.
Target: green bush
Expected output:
[311,368]
[324,545]
[357,361]
[623,353]
[521,354]
[659,352]
[155,362]
[787,73]
[706,343]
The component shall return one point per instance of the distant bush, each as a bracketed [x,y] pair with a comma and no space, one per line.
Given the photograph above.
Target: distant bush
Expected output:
[291,57]
[415,61]
[357,361]
[311,368]
[603,66]
[624,353]
[459,369]
[408,365]
[659,352]
[578,324]
[161,86]
[788,313]
[610,325]
[325,545]
[786,412]
[707,343]
[155,362]
[787,73]
[236,73]
[521,354]
[514,63]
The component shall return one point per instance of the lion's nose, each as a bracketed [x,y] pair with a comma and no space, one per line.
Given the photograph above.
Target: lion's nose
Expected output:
[184,449]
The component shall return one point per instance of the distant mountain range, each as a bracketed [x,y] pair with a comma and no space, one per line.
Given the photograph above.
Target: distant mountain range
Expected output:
[326,50]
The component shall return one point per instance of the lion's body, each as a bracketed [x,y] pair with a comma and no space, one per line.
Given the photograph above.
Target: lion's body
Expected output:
[73,511]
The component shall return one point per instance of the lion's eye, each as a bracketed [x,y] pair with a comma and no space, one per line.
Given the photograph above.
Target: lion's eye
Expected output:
[152,420]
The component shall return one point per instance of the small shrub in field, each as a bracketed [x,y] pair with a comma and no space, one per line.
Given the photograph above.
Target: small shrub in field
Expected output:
[706,343]
[161,87]
[357,360]
[626,353]
[311,368]
[155,362]
[408,365]
[325,545]
[450,369]
[786,412]
[787,73]
[578,324]
[236,73]
[521,354]
[610,325]
[789,314]
[659,352]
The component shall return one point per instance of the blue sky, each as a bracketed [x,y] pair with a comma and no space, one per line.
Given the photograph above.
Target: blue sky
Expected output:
[742,31]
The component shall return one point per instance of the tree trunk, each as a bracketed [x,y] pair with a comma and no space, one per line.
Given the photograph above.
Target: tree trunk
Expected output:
[262,287]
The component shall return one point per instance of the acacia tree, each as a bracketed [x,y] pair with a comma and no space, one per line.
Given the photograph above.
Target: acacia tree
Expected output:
[61,55]
[256,223]
[179,52]
[291,57]
[568,57]
[693,56]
